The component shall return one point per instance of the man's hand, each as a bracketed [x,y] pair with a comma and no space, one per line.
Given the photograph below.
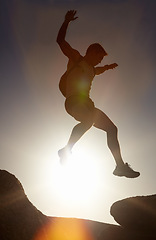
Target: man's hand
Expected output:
[70,16]
[111,66]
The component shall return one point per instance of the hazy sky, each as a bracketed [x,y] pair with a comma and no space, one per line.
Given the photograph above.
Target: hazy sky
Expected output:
[34,124]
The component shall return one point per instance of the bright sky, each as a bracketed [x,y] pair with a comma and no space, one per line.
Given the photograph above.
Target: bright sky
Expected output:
[34,124]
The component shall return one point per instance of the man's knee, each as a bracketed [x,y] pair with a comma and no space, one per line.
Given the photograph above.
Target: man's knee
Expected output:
[88,123]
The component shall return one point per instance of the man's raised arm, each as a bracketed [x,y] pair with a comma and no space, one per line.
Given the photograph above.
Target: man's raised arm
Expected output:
[64,45]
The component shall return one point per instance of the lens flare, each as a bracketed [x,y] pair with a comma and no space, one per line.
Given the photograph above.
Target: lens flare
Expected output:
[64,229]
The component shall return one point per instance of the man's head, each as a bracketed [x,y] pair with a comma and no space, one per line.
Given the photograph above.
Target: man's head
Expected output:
[95,53]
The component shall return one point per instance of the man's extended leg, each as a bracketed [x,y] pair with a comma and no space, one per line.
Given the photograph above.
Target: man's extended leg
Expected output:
[77,132]
[82,111]
[102,122]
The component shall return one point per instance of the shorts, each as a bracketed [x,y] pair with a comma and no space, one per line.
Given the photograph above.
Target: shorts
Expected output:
[80,107]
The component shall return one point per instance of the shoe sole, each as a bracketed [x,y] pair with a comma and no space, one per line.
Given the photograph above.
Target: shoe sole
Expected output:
[127,175]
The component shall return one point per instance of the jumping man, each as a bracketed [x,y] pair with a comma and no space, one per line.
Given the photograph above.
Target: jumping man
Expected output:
[75,85]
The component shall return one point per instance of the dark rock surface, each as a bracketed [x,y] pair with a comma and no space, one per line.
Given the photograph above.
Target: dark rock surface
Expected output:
[20,220]
[136,213]
[137,217]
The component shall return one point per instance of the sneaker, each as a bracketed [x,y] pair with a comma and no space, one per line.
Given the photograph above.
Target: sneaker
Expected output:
[64,155]
[125,171]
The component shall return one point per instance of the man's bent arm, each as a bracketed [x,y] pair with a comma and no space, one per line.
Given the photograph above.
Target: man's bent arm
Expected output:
[100,70]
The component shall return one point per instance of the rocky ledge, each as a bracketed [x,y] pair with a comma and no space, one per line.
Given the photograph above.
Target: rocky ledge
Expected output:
[20,220]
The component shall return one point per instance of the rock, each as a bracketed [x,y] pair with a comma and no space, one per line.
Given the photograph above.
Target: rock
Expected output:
[20,220]
[136,213]
[119,233]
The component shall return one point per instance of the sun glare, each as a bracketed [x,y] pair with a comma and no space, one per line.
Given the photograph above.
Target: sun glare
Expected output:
[77,181]
[77,188]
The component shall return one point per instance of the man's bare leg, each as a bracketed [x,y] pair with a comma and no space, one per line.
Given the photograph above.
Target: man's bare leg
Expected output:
[78,131]
[102,122]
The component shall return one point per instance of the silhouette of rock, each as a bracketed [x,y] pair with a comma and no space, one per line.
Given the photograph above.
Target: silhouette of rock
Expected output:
[137,216]
[120,233]
[20,220]
[137,213]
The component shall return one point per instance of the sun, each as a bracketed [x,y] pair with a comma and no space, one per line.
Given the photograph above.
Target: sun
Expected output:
[77,188]
[77,181]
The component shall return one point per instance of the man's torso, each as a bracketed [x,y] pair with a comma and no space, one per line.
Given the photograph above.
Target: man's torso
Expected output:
[79,78]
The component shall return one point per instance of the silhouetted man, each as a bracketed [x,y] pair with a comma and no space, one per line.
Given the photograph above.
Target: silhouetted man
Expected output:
[75,85]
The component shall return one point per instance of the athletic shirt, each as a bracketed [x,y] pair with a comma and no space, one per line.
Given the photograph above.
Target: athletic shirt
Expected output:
[79,79]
